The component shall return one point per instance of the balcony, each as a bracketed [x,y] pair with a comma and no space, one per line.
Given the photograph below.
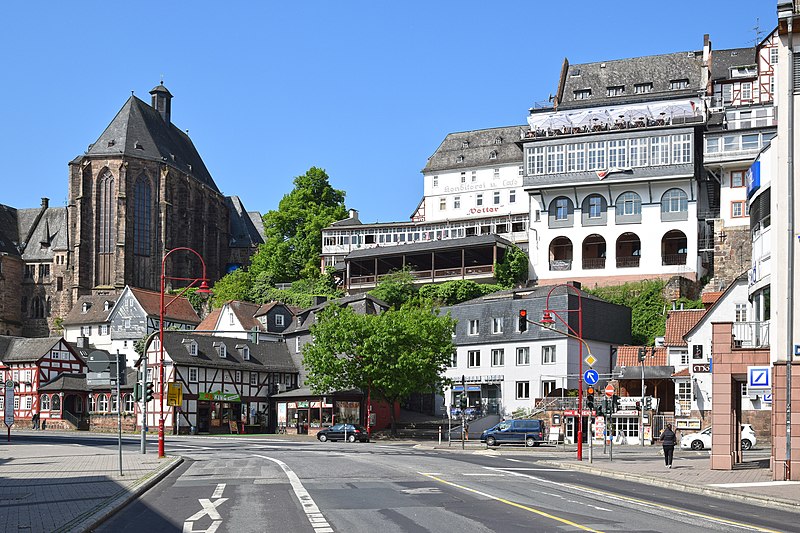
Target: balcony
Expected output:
[751,334]
[628,262]
[594,263]
[673,259]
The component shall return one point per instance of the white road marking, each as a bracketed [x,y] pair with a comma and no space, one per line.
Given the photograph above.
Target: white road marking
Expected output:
[209,508]
[188,527]
[483,474]
[431,473]
[219,490]
[315,517]
[514,460]
[525,469]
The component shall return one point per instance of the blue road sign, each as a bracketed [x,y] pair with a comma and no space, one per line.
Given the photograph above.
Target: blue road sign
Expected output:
[591,377]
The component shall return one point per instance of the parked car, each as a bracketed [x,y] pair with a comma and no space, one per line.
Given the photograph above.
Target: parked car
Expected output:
[348,432]
[702,439]
[521,431]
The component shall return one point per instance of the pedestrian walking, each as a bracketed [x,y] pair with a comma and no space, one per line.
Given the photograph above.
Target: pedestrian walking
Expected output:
[668,441]
[35,420]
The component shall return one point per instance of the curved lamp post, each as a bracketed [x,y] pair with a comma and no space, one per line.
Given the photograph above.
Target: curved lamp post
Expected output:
[202,289]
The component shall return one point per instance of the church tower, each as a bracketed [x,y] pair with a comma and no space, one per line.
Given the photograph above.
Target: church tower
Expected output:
[138,191]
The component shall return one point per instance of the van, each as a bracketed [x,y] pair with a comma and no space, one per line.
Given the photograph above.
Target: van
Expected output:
[520,431]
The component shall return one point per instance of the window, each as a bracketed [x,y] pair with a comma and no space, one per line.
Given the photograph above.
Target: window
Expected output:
[555,159]
[675,85]
[712,145]
[237,376]
[629,203]
[497,325]
[747,90]
[773,56]
[496,197]
[674,201]
[142,216]
[454,359]
[129,401]
[616,90]
[496,173]
[536,160]
[498,140]
[102,403]
[473,358]
[114,407]
[597,156]
[92,402]
[223,350]
[479,199]
[103,329]
[44,270]
[739,209]
[436,181]
[617,152]
[192,375]
[463,176]
[254,378]
[741,313]
[512,196]
[548,387]
[474,176]
[474,326]
[44,402]
[521,170]
[523,390]
[16,402]
[595,206]
[642,88]
[638,152]
[498,357]
[442,204]
[730,143]
[106,238]
[684,357]
[582,94]
[193,348]
[681,149]
[750,141]
[246,353]
[562,208]
[575,157]
[28,402]
[86,331]
[523,356]
[57,404]
[457,202]
[548,355]
[464,144]
[659,150]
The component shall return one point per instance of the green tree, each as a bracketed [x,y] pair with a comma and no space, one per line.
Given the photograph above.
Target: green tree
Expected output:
[300,294]
[234,286]
[390,355]
[396,289]
[456,291]
[513,269]
[294,231]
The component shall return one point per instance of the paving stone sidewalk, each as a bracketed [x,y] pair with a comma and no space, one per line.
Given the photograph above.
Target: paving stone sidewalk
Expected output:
[70,487]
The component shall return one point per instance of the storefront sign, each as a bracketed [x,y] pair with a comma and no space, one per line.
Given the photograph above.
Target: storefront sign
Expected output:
[219,396]
[701,368]
[574,412]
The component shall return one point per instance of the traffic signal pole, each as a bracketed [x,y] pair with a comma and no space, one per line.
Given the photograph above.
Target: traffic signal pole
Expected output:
[143,443]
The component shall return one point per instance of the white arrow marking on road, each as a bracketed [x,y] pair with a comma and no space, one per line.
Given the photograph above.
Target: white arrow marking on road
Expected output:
[218,491]
[188,527]
[209,508]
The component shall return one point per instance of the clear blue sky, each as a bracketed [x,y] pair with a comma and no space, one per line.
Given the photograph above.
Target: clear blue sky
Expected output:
[365,90]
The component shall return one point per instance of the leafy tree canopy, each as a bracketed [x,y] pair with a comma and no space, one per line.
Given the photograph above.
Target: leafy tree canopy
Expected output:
[300,294]
[391,354]
[396,289]
[455,292]
[513,269]
[234,286]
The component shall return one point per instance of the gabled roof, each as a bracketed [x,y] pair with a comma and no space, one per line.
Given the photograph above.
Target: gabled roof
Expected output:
[269,306]
[45,229]
[722,61]
[740,280]
[24,350]
[210,321]
[180,310]
[96,312]
[66,382]
[415,247]
[363,303]
[678,323]
[477,148]
[245,312]
[9,231]
[710,298]
[264,356]
[139,131]
[629,356]
[683,373]
[244,233]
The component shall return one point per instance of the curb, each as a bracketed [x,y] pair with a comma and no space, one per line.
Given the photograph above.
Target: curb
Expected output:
[786,505]
[105,510]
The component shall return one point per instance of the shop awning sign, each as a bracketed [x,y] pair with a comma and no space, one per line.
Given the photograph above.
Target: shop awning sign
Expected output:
[758,377]
[219,396]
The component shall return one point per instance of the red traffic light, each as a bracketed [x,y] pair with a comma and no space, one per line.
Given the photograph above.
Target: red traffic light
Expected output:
[590,390]
[523,313]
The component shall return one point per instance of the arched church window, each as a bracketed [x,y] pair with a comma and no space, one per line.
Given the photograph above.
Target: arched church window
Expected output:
[142,216]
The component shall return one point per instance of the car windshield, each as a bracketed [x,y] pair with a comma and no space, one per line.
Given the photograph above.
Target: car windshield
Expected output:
[503,426]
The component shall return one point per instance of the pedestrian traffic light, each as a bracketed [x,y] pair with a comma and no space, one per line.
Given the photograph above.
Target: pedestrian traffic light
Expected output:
[137,392]
[148,391]
[642,353]
[523,320]
[600,410]
[590,398]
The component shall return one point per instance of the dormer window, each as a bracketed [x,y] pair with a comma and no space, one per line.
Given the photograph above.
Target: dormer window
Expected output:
[221,349]
[85,307]
[106,305]
[279,320]
[582,94]
[493,154]
[460,159]
[244,350]
[498,140]
[643,88]
[675,85]
[615,90]
[464,144]
[191,346]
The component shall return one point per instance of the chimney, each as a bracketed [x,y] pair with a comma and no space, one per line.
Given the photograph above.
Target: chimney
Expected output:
[576,284]
[319,300]
[162,101]
[353,214]
[83,342]
[45,203]
[705,75]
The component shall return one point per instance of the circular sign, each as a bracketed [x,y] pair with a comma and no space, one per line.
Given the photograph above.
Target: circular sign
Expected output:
[591,376]
[98,361]
[610,390]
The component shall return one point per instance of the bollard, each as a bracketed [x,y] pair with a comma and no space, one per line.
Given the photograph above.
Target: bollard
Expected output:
[440,435]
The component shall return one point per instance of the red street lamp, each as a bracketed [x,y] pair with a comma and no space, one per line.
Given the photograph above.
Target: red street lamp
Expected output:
[202,289]
[549,321]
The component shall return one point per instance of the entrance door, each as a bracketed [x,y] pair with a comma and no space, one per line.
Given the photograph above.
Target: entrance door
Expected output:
[302,421]
[569,430]
[203,417]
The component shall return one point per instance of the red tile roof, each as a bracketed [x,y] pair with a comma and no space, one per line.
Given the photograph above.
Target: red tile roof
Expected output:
[679,323]
[178,309]
[629,356]
[710,298]
[210,321]
[682,373]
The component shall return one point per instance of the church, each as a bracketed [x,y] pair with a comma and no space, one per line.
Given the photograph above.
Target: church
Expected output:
[140,190]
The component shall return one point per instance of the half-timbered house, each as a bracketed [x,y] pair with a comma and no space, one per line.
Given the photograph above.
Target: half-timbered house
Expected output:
[33,362]
[243,319]
[226,382]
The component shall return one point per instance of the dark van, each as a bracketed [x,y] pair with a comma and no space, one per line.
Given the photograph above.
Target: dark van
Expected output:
[521,431]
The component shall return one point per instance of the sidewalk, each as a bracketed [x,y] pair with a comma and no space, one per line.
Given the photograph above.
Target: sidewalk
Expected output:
[69,487]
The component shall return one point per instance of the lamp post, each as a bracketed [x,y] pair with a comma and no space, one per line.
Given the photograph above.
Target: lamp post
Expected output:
[549,321]
[202,289]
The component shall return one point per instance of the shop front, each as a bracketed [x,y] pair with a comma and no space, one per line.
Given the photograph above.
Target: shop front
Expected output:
[302,413]
[219,412]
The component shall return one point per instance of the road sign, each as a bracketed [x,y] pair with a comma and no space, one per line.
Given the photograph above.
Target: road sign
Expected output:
[590,360]
[175,395]
[758,377]
[591,377]
[9,403]
[99,361]
[610,390]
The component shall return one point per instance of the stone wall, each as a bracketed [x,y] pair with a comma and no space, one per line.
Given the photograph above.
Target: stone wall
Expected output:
[11,272]
[732,253]
[679,287]
[108,422]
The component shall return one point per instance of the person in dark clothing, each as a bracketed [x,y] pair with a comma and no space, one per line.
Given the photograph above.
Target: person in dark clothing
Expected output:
[35,420]
[668,441]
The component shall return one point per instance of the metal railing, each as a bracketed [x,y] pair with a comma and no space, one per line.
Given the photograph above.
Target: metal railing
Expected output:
[751,334]
[591,263]
[673,259]
[628,262]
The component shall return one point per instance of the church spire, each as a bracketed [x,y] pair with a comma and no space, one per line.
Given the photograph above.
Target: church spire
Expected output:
[162,101]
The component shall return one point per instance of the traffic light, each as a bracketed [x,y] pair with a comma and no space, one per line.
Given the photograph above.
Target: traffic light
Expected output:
[590,398]
[615,402]
[137,392]
[523,320]
[648,402]
[148,391]
[463,401]
[638,406]
[642,353]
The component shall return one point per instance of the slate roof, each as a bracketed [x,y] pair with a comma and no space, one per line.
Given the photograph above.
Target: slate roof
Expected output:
[481,144]
[723,60]
[656,69]
[139,131]
[363,303]
[679,322]
[96,314]
[244,233]
[24,350]
[66,382]
[9,231]
[629,356]
[179,310]
[349,221]
[45,234]
[264,357]
[245,312]
[447,244]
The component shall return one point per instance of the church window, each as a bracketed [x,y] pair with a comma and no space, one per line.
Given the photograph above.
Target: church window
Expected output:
[106,228]
[142,214]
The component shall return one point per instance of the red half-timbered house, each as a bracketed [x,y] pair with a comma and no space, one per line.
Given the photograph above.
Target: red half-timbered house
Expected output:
[31,363]
[226,382]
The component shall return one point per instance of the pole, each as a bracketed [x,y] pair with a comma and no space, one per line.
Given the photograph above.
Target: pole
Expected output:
[641,411]
[119,418]
[580,373]
[591,436]
[161,364]
[143,440]
[449,426]
[787,472]
[463,409]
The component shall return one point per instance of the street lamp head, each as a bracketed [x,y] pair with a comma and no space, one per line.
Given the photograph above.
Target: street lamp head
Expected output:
[203,288]
[547,318]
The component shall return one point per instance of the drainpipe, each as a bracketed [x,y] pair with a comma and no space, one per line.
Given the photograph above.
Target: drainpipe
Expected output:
[790,266]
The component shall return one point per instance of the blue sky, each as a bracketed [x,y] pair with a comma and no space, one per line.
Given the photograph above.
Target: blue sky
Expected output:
[365,90]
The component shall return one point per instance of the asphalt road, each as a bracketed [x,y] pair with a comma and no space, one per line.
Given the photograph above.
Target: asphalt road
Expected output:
[264,484]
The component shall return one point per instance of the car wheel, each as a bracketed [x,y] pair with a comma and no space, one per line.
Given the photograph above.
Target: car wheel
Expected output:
[351,438]
[529,442]
[322,437]
[491,441]
[746,444]
[697,444]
